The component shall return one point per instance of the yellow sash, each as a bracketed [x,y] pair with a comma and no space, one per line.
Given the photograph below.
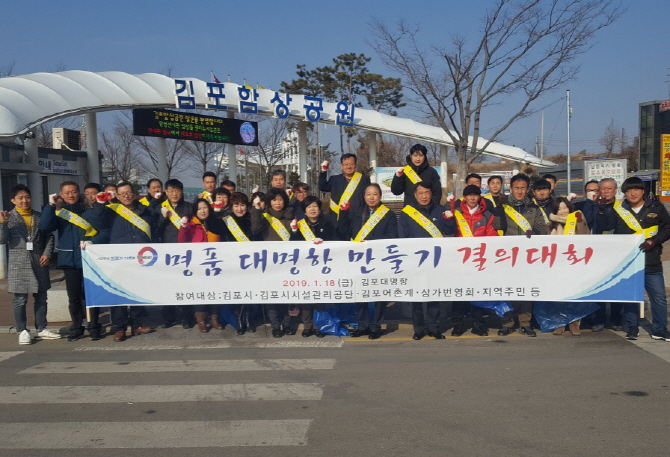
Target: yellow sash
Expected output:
[411,174]
[235,229]
[77,220]
[174,217]
[278,227]
[570,224]
[489,197]
[422,221]
[207,196]
[462,224]
[632,222]
[544,214]
[518,219]
[144,201]
[131,217]
[305,230]
[371,223]
[348,192]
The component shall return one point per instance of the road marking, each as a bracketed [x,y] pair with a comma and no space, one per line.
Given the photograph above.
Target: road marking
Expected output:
[7,355]
[159,366]
[159,394]
[150,435]
[334,343]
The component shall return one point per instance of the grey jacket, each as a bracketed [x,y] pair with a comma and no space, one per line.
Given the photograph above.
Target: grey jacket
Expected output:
[25,274]
[531,212]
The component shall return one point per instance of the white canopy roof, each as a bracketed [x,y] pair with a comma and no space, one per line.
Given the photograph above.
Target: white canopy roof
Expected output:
[29,100]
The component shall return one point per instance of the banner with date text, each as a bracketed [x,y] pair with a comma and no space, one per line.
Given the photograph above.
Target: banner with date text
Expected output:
[542,268]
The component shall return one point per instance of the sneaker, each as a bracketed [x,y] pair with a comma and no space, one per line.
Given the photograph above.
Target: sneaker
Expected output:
[617,328]
[505,331]
[598,328]
[633,333]
[47,334]
[24,337]
[661,335]
[527,331]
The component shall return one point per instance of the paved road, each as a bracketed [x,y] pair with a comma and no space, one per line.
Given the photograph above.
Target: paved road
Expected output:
[212,395]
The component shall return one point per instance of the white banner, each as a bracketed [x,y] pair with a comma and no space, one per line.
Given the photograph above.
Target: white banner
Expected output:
[547,268]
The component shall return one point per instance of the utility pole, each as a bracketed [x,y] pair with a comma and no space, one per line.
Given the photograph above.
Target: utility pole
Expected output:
[542,137]
[569,116]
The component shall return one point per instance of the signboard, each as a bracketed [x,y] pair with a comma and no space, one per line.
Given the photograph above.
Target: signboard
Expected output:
[59,167]
[665,105]
[616,169]
[665,168]
[600,268]
[192,126]
[385,176]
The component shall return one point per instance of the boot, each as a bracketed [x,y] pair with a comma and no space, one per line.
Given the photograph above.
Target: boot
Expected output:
[241,325]
[574,328]
[250,324]
[200,320]
[559,330]
[215,322]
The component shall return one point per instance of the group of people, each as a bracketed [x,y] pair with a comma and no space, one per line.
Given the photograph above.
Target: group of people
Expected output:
[115,214]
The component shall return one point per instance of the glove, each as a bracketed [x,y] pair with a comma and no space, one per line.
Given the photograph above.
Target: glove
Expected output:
[53,198]
[102,197]
[158,196]
[83,244]
[648,245]
[294,225]
[447,214]
[529,233]
[450,198]
[217,206]
[324,165]
[318,241]
[578,216]
[257,202]
[255,189]
[165,212]
[345,206]
[183,222]
[571,196]
[111,195]
[399,172]
[289,192]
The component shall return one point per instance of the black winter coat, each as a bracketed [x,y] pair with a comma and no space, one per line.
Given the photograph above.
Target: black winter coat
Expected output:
[428,175]
[409,228]
[337,184]
[324,229]
[349,226]
[120,230]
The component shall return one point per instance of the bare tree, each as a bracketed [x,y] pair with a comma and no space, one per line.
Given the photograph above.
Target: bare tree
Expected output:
[121,158]
[272,132]
[209,156]
[610,138]
[526,48]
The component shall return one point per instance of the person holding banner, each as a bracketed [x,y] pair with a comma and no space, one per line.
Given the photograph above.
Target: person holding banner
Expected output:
[238,229]
[524,218]
[346,187]
[168,214]
[29,252]
[154,187]
[472,219]
[129,222]
[377,222]
[203,227]
[649,218]
[316,228]
[275,223]
[75,223]
[424,221]
[209,184]
[417,170]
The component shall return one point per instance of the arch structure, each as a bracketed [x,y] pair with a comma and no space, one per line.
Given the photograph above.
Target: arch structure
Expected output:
[29,100]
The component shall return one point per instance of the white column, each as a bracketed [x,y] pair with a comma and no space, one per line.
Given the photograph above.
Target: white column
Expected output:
[92,148]
[34,179]
[372,152]
[161,159]
[3,251]
[232,156]
[443,166]
[302,150]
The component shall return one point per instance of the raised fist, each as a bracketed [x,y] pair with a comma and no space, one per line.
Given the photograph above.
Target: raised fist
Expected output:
[158,195]
[571,196]
[289,192]
[183,222]
[324,165]
[165,212]
[318,241]
[102,197]
[447,215]
[450,198]
[257,202]
[345,206]
[111,195]
[294,225]
[255,189]
[217,206]
[578,216]
[53,198]
[399,172]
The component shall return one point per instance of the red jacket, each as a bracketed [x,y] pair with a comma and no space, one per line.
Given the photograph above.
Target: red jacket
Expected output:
[481,222]
[195,232]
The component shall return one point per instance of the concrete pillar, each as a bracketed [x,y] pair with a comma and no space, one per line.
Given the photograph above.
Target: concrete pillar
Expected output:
[372,151]
[232,156]
[3,251]
[161,159]
[302,150]
[34,179]
[443,166]
[92,148]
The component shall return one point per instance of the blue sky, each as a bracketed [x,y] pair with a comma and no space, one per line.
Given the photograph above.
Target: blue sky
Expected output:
[263,41]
